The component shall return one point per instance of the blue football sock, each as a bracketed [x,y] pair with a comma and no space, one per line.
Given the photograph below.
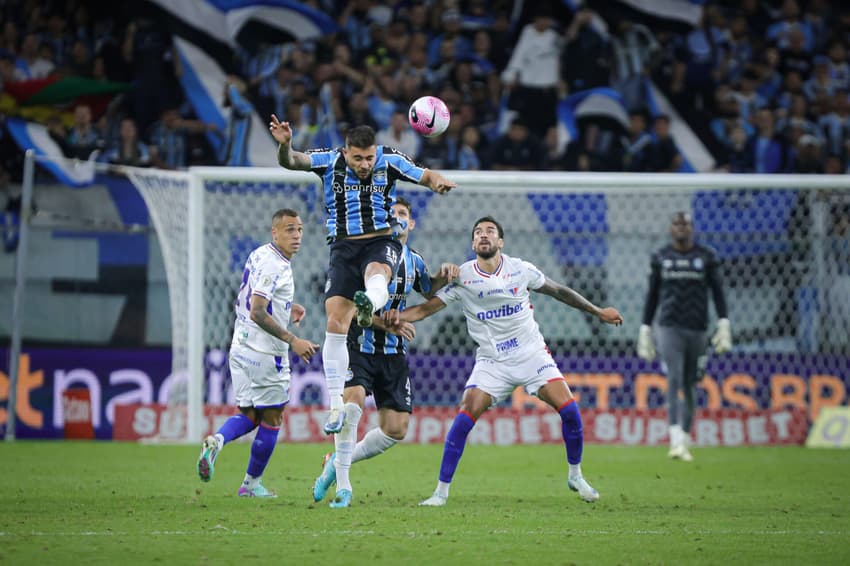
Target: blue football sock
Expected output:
[236,426]
[261,449]
[455,443]
[572,431]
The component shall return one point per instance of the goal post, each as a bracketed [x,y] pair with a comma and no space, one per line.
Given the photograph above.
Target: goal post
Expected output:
[593,231]
[195,306]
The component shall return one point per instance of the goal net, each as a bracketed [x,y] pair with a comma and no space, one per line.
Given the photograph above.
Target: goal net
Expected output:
[783,242]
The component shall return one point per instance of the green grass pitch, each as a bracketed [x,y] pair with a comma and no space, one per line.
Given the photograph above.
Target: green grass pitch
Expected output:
[114,503]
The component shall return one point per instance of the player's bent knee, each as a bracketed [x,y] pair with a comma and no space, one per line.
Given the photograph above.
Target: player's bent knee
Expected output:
[397,435]
[396,432]
[272,417]
[555,393]
[339,324]
[354,394]
[339,312]
[474,409]
[377,268]
[475,402]
[251,413]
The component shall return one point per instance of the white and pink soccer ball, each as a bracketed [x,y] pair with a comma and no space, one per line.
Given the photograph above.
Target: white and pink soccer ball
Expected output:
[429,116]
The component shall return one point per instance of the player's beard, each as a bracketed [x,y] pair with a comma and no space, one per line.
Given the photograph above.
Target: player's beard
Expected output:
[488,253]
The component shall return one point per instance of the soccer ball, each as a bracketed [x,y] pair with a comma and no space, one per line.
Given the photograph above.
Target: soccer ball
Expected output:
[429,116]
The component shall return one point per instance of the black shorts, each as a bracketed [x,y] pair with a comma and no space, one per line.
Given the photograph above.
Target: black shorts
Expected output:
[385,376]
[348,261]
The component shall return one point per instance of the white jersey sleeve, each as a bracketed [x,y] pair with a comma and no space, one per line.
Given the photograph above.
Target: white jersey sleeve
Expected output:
[267,274]
[536,279]
[449,293]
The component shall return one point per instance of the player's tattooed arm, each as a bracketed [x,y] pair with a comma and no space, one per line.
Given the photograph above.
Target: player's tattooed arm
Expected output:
[302,348]
[436,182]
[286,156]
[291,159]
[261,317]
[568,296]
[574,299]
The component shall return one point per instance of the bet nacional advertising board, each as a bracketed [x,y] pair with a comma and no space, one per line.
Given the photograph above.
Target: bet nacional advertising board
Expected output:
[743,398]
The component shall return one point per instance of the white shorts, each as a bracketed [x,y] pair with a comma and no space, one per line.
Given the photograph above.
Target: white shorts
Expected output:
[500,378]
[259,380]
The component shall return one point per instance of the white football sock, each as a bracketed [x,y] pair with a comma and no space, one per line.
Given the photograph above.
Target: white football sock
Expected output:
[250,481]
[375,442]
[575,471]
[442,489]
[344,442]
[335,364]
[377,291]
[676,435]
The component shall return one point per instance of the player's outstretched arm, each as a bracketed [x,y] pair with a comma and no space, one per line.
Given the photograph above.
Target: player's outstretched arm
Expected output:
[404,329]
[448,273]
[568,296]
[286,156]
[394,317]
[436,182]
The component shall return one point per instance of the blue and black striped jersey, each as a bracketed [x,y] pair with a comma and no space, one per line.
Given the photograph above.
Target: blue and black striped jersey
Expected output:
[359,207]
[412,275]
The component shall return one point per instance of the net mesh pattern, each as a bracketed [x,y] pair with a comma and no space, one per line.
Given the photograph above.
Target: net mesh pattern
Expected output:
[785,263]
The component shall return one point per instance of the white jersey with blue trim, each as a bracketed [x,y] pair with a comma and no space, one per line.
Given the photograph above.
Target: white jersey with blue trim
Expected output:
[267,273]
[498,307]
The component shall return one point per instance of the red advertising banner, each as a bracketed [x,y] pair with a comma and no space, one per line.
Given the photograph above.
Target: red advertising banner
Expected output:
[502,425]
[76,407]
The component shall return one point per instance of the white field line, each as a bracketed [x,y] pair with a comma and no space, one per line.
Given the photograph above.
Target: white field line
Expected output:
[224,531]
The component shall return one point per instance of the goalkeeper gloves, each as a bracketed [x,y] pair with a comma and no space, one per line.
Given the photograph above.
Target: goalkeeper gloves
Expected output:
[722,339]
[645,347]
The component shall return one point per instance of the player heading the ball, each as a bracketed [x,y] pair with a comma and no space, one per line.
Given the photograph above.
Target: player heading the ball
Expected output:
[359,182]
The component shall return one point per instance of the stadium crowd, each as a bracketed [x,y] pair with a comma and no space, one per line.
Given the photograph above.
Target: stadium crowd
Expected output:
[763,84]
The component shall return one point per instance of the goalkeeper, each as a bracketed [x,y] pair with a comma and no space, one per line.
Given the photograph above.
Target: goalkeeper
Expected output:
[682,273]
